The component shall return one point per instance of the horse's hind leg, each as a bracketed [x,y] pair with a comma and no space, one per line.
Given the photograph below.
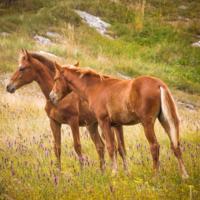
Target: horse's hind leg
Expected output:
[177,151]
[55,127]
[110,142]
[154,145]
[121,146]
[99,144]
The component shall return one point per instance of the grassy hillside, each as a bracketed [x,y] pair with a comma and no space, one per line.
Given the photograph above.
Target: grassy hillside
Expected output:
[150,38]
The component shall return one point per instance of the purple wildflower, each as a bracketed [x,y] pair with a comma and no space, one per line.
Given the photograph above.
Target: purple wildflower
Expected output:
[51,162]
[138,162]
[55,180]
[111,188]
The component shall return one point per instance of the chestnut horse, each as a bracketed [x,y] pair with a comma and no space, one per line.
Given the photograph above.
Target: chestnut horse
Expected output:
[118,102]
[72,110]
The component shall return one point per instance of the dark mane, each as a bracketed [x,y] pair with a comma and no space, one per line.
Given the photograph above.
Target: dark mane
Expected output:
[87,70]
[43,59]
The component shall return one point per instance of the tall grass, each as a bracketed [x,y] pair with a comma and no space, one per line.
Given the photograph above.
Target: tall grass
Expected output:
[28,167]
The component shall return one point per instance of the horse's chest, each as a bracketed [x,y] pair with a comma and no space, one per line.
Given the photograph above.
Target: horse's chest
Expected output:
[60,115]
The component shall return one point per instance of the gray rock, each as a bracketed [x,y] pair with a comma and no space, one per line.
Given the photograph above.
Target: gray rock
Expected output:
[95,22]
[52,34]
[196,44]
[123,76]
[42,40]
[183,7]
[5,34]
[49,54]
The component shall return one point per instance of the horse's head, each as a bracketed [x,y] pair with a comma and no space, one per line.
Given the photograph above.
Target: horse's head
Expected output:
[23,75]
[61,88]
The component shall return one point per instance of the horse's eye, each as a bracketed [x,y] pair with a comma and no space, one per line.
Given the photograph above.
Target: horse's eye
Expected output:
[55,80]
[22,69]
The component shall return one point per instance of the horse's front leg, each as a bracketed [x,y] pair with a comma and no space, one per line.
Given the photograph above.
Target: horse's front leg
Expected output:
[55,127]
[110,142]
[121,146]
[74,124]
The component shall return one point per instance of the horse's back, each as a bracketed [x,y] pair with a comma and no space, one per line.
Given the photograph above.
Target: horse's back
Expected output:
[112,99]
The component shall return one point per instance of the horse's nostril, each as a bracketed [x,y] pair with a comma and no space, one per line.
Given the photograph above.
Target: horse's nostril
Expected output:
[7,88]
[12,91]
[10,88]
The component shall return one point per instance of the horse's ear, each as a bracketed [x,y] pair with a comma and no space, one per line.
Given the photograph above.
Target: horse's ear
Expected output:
[76,64]
[28,55]
[57,66]
[23,52]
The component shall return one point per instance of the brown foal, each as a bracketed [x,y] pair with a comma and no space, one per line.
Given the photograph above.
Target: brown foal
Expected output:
[117,102]
[72,110]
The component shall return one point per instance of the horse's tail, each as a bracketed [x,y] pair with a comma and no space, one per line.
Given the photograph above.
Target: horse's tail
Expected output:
[170,114]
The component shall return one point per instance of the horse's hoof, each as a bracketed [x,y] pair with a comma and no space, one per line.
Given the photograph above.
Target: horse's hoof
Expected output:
[185,177]
[128,172]
[114,172]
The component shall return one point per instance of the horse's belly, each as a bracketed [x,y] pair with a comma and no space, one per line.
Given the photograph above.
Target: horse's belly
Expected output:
[125,118]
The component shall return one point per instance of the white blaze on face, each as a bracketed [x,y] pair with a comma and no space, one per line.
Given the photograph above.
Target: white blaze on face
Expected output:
[20,65]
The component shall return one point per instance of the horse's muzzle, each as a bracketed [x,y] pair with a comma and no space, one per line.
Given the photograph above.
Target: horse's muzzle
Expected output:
[53,97]
[10,88]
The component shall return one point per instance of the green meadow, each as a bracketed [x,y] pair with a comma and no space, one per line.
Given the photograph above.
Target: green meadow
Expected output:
[152,38]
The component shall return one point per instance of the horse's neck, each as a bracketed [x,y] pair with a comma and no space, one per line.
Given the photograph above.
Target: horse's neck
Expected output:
[45,79]
[83,86]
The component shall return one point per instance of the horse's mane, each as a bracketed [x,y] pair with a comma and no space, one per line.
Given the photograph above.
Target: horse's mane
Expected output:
[43,59]
[86,71]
